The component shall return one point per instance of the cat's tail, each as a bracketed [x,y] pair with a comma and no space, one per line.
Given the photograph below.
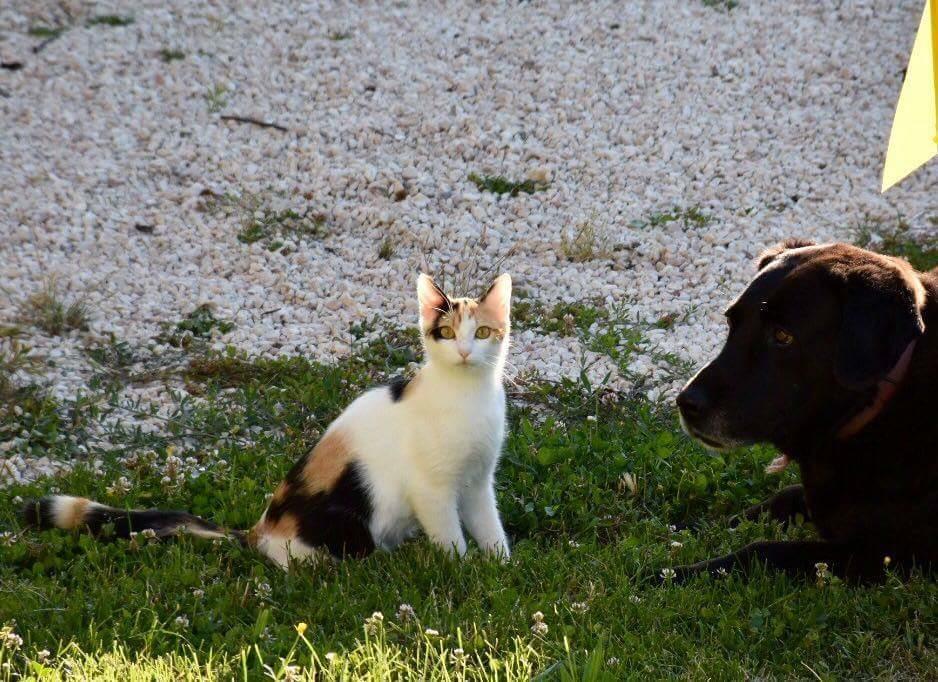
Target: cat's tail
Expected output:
[76,513]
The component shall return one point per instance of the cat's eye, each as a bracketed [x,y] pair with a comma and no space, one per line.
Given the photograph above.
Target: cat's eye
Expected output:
[447,332]
[782,337]
[483,332]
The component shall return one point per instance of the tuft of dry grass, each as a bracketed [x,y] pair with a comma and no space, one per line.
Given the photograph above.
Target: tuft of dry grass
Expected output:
[51,312]
[14,357]
[586,242]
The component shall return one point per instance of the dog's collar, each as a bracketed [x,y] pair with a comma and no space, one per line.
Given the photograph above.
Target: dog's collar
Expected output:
[885,390]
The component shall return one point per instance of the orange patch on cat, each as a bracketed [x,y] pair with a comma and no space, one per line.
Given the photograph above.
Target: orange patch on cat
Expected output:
[326,463]
[281,493]
[74,516]
[286,526]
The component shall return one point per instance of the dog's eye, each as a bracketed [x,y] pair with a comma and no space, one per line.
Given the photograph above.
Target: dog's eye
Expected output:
[483,332]
[782,337]
[447,332]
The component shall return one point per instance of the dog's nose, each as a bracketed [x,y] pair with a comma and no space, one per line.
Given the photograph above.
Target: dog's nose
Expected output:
[693,402]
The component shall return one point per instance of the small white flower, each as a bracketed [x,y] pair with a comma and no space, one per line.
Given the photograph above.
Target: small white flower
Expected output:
[182,621]
[591,418]
[43,656]
[430,632]
[573,543]
[332,657]
[579,607]
[539,629]
[263,590]
[9,639]
[635,599]
[148,533]
[406,613]
[291,673]
[198,594]
[120,487]
[458,657]
[17,500]
[668,573]
[823,573]
[612,661]
[676,545]
[722,572]
[374,622]
[672,528]
[7,538]
[537,617]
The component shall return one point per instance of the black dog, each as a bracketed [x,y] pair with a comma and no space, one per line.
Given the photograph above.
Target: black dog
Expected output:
[832,356]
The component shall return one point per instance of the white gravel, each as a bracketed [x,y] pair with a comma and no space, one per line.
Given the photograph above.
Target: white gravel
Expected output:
[772,119]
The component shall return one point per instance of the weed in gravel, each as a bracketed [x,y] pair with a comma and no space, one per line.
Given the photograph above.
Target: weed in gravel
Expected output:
[110,20]
[274,227]
[689,217]
[14,357]
[501,185]
[586,242]
[920,251]
[216,98]
[168,55]
[198,325]
[721,4]
[40,31]
[339,35]
[48,310]
[386,250]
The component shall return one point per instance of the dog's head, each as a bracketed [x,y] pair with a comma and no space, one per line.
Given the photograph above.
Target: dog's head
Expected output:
[810,339]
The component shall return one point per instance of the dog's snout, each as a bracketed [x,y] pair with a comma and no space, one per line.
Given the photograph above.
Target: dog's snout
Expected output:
[693,401]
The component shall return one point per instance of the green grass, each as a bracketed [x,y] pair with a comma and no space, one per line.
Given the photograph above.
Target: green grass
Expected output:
[921,252]
[498,184]
[588,486]
[111,20]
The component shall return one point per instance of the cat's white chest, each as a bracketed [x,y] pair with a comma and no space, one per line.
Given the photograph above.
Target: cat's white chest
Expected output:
[455,440]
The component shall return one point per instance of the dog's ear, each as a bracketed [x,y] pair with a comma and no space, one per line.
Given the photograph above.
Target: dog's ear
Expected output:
[881,317]
[772,253]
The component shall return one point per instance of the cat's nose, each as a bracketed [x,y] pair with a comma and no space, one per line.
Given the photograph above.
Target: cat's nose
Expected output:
[464,354]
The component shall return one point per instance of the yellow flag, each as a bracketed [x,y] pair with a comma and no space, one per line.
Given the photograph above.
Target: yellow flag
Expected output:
[914,136]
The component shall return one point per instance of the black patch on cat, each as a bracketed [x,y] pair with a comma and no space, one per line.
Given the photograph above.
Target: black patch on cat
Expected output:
[446,307]
[337,520]
[398,385]
[37,514]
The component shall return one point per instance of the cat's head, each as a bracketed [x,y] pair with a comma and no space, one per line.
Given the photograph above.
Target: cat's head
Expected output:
[465,333]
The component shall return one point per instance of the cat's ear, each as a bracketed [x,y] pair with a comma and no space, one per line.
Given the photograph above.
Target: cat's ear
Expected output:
[433,302]
[497,299]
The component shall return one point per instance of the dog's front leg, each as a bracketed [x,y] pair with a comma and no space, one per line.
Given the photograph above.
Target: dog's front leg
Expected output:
[797,558]
[784,506]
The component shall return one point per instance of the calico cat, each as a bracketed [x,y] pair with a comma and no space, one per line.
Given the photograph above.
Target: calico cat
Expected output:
[415,454]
